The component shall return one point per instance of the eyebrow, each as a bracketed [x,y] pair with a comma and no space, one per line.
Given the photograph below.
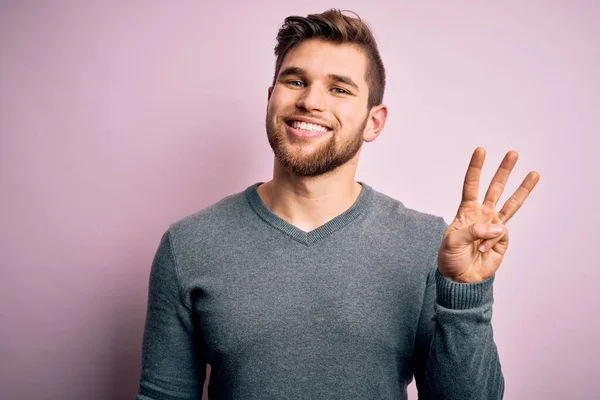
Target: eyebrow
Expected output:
[335,77]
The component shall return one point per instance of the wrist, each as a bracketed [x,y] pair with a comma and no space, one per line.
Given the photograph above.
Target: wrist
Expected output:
[465,277]
[459,295]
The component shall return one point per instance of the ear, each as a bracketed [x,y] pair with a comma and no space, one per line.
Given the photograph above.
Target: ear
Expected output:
[376,122]
[270,93]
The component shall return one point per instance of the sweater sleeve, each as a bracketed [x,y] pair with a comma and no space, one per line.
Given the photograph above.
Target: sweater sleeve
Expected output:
[455,353]
[173,364]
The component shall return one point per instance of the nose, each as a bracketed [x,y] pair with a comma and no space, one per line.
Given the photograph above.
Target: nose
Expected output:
[312,99]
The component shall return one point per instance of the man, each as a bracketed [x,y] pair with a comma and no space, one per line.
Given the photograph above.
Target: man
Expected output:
[314,286]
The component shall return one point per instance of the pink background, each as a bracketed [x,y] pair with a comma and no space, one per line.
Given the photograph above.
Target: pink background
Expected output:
[117,119]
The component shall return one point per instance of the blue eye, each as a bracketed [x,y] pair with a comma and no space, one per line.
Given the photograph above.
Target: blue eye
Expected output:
[339,91]
[296,83]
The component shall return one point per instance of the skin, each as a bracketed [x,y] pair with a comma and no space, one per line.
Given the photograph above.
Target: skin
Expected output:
[471,250]
[314,178]
[310,201]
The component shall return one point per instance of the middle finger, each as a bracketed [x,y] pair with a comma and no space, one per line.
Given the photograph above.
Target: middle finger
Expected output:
[500,178]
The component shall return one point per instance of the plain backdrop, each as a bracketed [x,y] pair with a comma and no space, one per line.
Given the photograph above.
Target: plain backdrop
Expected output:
[118,118]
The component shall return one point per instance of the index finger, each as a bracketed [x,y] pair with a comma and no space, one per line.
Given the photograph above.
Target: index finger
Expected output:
[471,183]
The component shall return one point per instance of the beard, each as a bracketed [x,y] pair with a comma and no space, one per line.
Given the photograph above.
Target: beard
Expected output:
[326,158]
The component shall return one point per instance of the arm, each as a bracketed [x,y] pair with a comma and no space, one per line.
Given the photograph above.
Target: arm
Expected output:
[462,362]
[173,364]
[455,354]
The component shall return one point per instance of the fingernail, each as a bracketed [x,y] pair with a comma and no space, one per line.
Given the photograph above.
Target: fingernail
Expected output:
[495,229]
[482,248]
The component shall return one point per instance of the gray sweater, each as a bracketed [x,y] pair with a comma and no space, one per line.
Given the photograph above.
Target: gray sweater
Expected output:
[351,310]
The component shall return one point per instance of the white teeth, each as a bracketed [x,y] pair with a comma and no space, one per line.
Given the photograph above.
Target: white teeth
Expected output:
[304,126]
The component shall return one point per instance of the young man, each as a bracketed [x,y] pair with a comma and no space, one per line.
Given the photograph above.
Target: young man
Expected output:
[313,285]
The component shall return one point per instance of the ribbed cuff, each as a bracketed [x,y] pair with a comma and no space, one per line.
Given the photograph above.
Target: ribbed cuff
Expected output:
[461,296]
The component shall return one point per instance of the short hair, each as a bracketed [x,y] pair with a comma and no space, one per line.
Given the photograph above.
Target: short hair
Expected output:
[333,26]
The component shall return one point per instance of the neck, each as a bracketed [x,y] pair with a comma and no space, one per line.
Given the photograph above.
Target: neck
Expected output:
[309,202]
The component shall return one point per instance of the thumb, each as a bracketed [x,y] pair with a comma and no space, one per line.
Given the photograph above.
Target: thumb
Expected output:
[475,232]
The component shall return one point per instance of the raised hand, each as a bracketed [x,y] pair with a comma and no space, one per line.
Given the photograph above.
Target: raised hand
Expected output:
[475,242]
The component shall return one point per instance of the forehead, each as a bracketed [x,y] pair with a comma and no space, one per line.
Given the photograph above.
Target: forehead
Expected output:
[320,59]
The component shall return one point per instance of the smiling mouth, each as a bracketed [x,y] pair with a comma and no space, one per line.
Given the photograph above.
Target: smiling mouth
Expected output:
[307,126]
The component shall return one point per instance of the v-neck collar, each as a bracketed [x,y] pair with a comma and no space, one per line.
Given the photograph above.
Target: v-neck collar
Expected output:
[317,234]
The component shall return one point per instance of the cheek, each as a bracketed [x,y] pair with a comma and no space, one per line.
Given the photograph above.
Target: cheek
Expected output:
[281,99]
[349,116]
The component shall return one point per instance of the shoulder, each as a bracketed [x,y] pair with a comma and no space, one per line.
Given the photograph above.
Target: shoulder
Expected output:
[392,214]
[209,221]
[407,236]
